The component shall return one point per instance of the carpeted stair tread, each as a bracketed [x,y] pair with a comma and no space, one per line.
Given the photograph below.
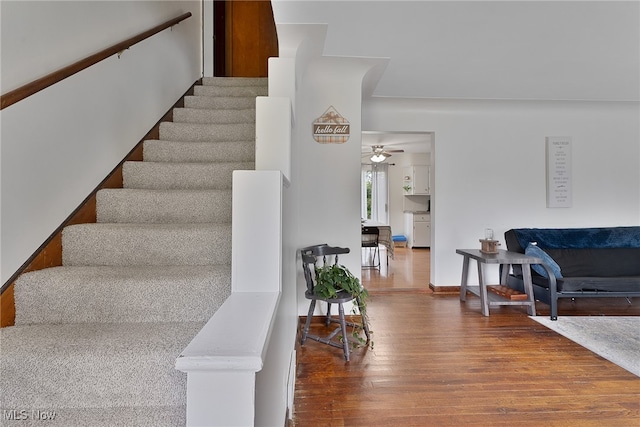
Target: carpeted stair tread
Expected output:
[219,102]
[135,294]
[192,152]
[161,175]
[235,81]
[254,91]
[199,115]
[146,244]
[132,205]
[94,365]
[171,131]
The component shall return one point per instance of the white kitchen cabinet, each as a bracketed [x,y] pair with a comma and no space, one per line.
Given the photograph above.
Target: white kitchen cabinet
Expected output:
[418,229]
[417,179]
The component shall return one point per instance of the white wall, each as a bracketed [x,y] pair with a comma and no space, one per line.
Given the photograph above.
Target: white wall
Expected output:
[327,176]
[59,144]
[489,159]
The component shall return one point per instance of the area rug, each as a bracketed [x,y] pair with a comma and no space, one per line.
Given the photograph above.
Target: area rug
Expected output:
[616,338]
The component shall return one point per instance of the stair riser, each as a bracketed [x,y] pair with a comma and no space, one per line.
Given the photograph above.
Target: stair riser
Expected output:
[195,115]
[136,294]
[163,206]
[231,103]
[170,131]
[196,152]
[168,176]
[235,81]
[248,91]
[129,245]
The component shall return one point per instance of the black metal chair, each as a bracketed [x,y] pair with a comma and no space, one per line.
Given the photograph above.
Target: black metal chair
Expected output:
[371,240]
[310,258]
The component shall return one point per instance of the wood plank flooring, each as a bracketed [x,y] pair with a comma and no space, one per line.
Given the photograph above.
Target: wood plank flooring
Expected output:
[438,362]
[408,269]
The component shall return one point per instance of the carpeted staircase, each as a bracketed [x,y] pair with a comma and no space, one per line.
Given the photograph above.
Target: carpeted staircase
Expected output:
[95,341]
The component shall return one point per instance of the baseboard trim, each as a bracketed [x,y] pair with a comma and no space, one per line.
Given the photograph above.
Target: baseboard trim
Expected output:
[49,254]
[444,290]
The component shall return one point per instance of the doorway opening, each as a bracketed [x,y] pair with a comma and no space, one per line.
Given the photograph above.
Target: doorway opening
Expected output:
[389,196]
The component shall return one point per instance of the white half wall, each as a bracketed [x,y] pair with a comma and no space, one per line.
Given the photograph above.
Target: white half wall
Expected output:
[489,159]
[59,144]
[275,383]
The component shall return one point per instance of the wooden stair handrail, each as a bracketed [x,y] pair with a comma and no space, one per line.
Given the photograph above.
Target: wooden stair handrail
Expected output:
[35,86]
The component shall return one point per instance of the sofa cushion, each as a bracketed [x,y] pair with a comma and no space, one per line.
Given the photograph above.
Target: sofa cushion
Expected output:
[604,237]
[609,262]
[533,250]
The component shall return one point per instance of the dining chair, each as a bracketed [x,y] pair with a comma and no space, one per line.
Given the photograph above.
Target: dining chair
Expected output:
[371,240]
[311,257]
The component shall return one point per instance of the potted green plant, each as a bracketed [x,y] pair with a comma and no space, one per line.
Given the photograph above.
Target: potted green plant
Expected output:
[331,279]
[407,188]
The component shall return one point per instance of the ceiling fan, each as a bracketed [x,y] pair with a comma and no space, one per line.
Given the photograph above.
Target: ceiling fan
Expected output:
[379,154]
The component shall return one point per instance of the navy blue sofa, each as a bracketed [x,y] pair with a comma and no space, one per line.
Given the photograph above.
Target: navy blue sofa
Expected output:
[579,262]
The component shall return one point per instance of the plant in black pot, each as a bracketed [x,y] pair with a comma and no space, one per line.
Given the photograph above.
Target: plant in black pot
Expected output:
[334,279]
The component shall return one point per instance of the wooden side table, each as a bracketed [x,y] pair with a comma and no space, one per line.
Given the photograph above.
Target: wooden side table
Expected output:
[501,296]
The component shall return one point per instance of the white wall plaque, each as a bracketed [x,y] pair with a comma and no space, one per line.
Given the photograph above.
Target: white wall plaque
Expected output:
[331,128]
[558,171]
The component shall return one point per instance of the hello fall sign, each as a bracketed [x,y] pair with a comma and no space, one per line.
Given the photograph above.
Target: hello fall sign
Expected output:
[331,128]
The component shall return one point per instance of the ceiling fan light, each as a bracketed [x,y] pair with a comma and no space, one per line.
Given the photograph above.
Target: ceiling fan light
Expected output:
[378,158]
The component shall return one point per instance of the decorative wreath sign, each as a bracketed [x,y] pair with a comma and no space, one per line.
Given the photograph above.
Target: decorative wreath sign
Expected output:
[331,128]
